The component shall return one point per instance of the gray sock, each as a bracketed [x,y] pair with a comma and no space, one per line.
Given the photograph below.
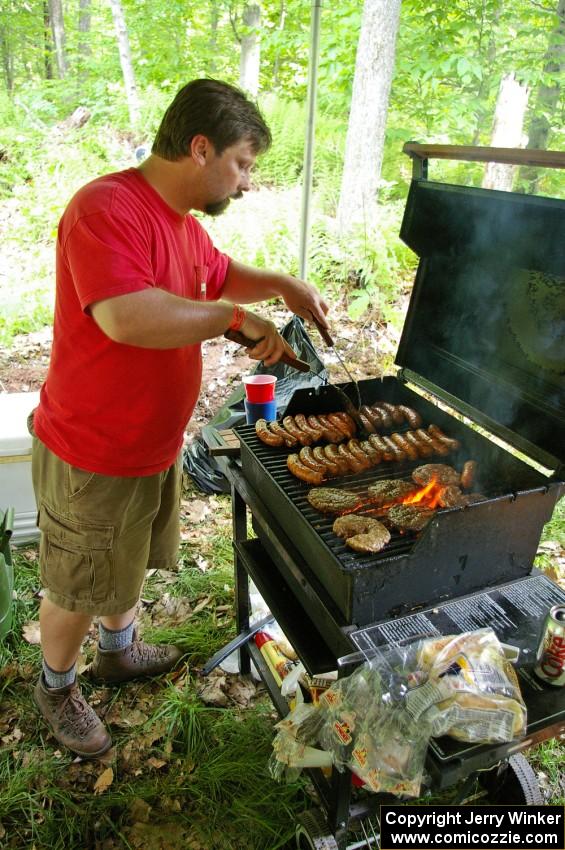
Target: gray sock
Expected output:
[57,679]
[115,639]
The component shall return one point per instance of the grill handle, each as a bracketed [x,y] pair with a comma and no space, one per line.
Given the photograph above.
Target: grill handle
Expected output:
[468,153]
[241,339]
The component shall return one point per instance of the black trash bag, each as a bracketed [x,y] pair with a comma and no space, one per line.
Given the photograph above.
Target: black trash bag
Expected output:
[203,469]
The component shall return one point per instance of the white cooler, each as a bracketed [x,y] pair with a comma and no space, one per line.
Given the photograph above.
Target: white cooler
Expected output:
[16,489]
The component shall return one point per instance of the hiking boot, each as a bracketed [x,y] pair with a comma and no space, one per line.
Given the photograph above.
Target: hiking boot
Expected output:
[137,659]
[73,722]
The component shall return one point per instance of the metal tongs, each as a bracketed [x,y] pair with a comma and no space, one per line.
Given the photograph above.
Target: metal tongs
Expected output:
[349,406]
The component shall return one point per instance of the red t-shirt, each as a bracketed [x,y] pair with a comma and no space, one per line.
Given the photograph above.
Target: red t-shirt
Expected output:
[108,407]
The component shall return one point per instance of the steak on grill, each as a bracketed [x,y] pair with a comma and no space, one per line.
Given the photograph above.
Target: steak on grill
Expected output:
[451,496]
[410,517]
[363,534]
[390,490]
[442,474]
[330,500]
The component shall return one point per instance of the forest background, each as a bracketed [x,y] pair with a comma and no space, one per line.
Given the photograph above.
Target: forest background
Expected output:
[85,83]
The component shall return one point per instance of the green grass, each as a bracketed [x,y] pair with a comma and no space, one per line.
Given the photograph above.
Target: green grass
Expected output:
[192,772]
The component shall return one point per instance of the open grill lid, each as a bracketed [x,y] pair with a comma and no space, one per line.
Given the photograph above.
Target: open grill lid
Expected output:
[485,328]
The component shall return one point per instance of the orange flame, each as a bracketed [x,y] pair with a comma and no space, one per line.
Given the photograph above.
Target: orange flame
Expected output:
[421,495]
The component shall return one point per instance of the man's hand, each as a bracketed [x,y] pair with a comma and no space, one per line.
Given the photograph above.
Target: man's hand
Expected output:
[270,344]
[304,300]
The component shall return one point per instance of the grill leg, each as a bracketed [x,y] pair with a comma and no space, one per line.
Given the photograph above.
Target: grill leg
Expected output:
[241,579]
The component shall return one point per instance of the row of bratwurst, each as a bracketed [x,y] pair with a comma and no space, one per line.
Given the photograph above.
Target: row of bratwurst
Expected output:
[344,454]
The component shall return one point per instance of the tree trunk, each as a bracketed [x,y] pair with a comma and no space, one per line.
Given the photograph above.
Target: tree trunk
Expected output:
[58,30]
[507,131]
[7,60]
[47,42]
[213,40]
[125,61]
[367,118]
[84,14]
[547,96]
[250,50]
[277,62]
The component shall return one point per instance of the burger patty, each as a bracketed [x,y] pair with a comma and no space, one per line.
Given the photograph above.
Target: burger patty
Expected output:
[351,524]
[410,517]
[331,500]
[362,534]
[440,472]
[390,490]
[451,496]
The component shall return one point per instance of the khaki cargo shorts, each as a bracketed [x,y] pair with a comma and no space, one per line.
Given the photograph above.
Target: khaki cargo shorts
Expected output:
[100,533]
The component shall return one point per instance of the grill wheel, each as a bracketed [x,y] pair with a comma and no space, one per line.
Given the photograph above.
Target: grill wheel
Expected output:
[312,832]
[513,782]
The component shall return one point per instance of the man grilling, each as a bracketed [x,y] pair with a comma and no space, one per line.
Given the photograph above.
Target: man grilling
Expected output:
[139,287]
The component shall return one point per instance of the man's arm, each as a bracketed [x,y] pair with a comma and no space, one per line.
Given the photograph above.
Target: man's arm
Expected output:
[155,318]
[247,285]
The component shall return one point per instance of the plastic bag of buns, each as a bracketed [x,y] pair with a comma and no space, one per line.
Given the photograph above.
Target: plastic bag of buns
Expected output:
[469,690]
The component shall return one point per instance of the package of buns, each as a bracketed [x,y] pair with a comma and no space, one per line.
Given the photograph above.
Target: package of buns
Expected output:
[469,690]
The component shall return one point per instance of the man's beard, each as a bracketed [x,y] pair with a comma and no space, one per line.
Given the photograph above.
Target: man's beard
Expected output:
[218,207]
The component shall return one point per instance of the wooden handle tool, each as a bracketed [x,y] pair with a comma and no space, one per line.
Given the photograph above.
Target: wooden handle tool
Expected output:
[241,339]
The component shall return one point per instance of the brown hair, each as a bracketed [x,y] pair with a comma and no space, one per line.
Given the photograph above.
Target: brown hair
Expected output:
[215,109]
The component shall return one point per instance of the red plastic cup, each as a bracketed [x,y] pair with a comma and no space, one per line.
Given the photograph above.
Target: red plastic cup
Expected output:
[259,388]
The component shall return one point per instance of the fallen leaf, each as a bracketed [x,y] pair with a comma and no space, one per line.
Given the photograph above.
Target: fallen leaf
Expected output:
[202,604]
[139,810]
[31,633]
[104,781]
[156,763]
[212,693]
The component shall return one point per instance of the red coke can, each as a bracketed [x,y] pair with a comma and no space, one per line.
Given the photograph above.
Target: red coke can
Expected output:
[550,659]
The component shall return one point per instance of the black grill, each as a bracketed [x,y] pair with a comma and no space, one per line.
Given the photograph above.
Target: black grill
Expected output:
[480,340]
[460,551]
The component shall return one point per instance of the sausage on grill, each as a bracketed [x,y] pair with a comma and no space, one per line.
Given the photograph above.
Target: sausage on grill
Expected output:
[306,456]
[320,455]
[367,423]
[422,448]
[438,434]
[379,444]
[299,470]
[339,425]
[315,433]
[332,453]
[343,421]
[384,414]
[266,435]
[394,410]
[398,454]
[355,448]
[289,440]
[468,474]
[331,433]
[405,446]
[352,462]
[374,455]
[369,419]
[292,428]
[412,416]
